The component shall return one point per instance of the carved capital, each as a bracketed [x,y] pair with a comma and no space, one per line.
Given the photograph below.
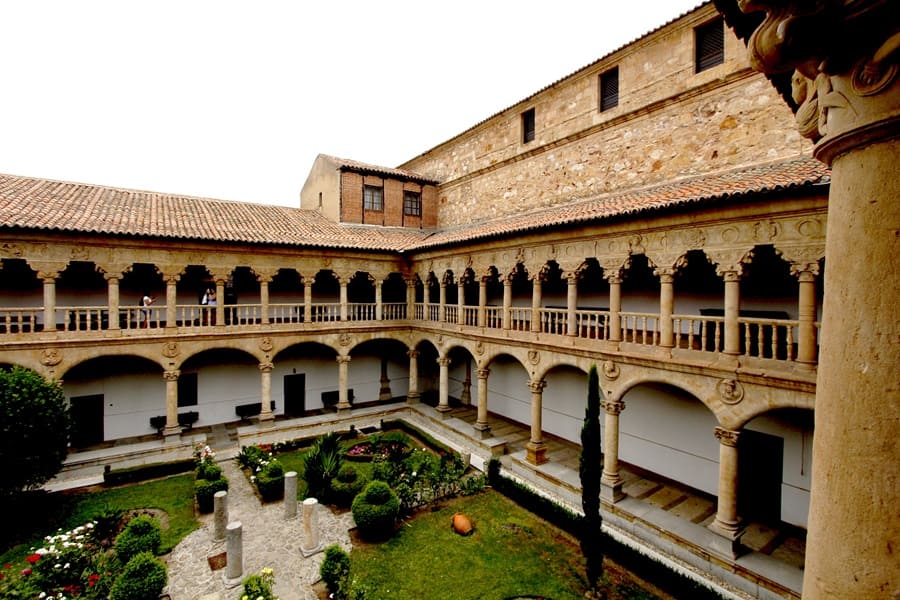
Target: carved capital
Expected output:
[482,373]
[412,353]
[613,407]
[537,385]
[342,359]
[727,437]
[443,361]
[171,375]
[266,367]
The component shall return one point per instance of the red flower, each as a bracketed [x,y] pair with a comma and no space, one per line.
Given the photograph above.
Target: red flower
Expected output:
[33,558]
[7,566]
[26,572]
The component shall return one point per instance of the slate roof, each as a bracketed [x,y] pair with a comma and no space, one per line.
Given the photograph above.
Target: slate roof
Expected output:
[46,205]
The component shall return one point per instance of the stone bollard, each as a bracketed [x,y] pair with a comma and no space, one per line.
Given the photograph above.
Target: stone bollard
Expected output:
[220,515]
[234,548]
[290,494]
[311,543]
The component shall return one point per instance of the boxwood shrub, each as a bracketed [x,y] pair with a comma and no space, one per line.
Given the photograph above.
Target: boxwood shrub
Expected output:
[375,510]
[143,578]
[270,482]
[142,534]
[335,570]
[205,491]
[346,486]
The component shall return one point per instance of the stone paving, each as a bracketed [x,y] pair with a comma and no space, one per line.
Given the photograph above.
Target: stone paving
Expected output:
[269,540]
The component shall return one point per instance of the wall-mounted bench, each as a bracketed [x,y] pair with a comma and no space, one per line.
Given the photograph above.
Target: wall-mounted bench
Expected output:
[186,420]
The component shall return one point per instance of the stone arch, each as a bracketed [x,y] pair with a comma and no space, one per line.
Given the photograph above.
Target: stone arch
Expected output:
[564,400]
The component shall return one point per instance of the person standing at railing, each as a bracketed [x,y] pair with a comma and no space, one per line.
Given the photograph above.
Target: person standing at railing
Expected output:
[209,302]
[146,301]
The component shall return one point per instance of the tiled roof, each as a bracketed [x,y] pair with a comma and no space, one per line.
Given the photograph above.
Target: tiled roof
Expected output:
[41,204]
[721,186]
[355,165]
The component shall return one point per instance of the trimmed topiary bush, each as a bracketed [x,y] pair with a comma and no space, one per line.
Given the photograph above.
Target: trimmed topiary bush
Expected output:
[375,510]
[335,570]
[205,491]
[346,486]
[209,471]
[143,578]
[141,534]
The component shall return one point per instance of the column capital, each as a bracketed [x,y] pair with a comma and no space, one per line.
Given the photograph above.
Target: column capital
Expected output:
[482,373]
[613,407]
[342,359]
[727,437]
[265,274]
[413,353]
[665,274]
[536,385]
[266,367]
[172,375]
[443,361]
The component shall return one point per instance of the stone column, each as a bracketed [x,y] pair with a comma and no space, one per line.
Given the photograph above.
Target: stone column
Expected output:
[171,280]
[379,303]
[172,428]
[611,482]
[290,495]
[536,284]
[442,301]
[482,428]
[220,302]
[727,524]
[343,299]
[466,396]
[535,449]
[49,279]
[482,302]
[307,300]
[411,298]
[444,385]
[615,306]
[384,392]
[571,304]
[807,354]
[234,554]
[732,333]
[311,542]
[266,417]
[264,279]
[343,394]
[413,395]
[220,515]
[460,302]
[666,306]
[112,289]
[507,303]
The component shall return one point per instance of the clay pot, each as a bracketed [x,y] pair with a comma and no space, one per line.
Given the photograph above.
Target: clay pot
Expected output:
[462,524]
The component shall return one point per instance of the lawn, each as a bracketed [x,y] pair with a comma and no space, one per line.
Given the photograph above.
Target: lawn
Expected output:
[42,514]
[511,553]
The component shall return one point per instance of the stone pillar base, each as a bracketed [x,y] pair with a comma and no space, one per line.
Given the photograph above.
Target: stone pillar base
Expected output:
[342,408]
[536,453]
[307,552]
[172,434]
[267,421]
[413,398]
[611,491]
[443,411]
[727,541]
[483,431]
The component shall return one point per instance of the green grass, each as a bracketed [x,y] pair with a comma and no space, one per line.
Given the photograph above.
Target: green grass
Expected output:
[47,512]
[511,553]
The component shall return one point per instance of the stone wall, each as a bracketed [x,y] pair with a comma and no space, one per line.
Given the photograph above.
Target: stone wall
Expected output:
[670,122]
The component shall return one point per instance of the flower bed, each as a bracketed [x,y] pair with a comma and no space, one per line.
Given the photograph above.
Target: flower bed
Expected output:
[396,445]
[264,470]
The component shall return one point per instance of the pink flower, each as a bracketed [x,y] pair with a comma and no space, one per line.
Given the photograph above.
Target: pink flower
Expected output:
[26,572]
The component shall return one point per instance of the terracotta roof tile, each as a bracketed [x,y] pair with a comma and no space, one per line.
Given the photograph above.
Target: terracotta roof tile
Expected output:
[355,165]
[41,204]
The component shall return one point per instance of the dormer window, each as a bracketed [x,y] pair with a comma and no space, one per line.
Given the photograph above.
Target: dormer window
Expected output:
[373,198]
[412,204]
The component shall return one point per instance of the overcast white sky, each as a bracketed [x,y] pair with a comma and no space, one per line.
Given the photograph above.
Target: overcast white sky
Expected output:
[234,100]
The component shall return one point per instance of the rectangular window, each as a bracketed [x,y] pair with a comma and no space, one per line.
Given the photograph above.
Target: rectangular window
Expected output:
[528,126]
[373,198]
[187,389]
[710,45]
[412,204]
[609,89]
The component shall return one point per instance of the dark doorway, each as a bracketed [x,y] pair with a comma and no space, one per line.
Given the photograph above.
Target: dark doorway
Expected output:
[87,419]
[295,395]
[760,460]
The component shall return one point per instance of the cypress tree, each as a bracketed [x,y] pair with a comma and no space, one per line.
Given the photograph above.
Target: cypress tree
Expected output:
[590,470]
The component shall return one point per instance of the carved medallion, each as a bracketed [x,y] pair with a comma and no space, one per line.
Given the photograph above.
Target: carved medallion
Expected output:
[730,391]
[170,349]
[50,357]
[266,344]
[534,357]
[765,231]
[344,339]
[479,347]
[611,370]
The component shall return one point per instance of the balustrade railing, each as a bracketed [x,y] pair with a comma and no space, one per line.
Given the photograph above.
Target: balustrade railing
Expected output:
[433,313]
[452,312]
[325,312]
[553,320]
[470,316]
[393,311]
[520,318]
[359,311]
[21,320]
[493,316]
[640,328]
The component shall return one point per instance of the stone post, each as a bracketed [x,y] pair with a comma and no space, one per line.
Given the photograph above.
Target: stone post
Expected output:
[571,304]
[307,300]
[666,306]
[442,301]
[460,302]
[343,297]
[311,543]
[444,385]
[172,299]
[466,396]
[535,449]
[49,279]
[732,277]
[482,428]
[172,430]
[806,312]
[413,395]
[384,391]
[220,515]
[264,279]
[727,524]
[343,376]
[266,417]
[220,302]
[482,302]
[411,298]
[112,284]
[379,303]
[611,482]
[290,495]
[615,306]
[536,303]
[234,554]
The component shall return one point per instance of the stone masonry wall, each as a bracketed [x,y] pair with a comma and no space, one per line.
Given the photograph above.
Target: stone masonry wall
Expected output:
[670,123]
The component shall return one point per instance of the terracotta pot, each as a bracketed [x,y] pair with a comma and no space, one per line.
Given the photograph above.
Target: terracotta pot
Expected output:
[462,524]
